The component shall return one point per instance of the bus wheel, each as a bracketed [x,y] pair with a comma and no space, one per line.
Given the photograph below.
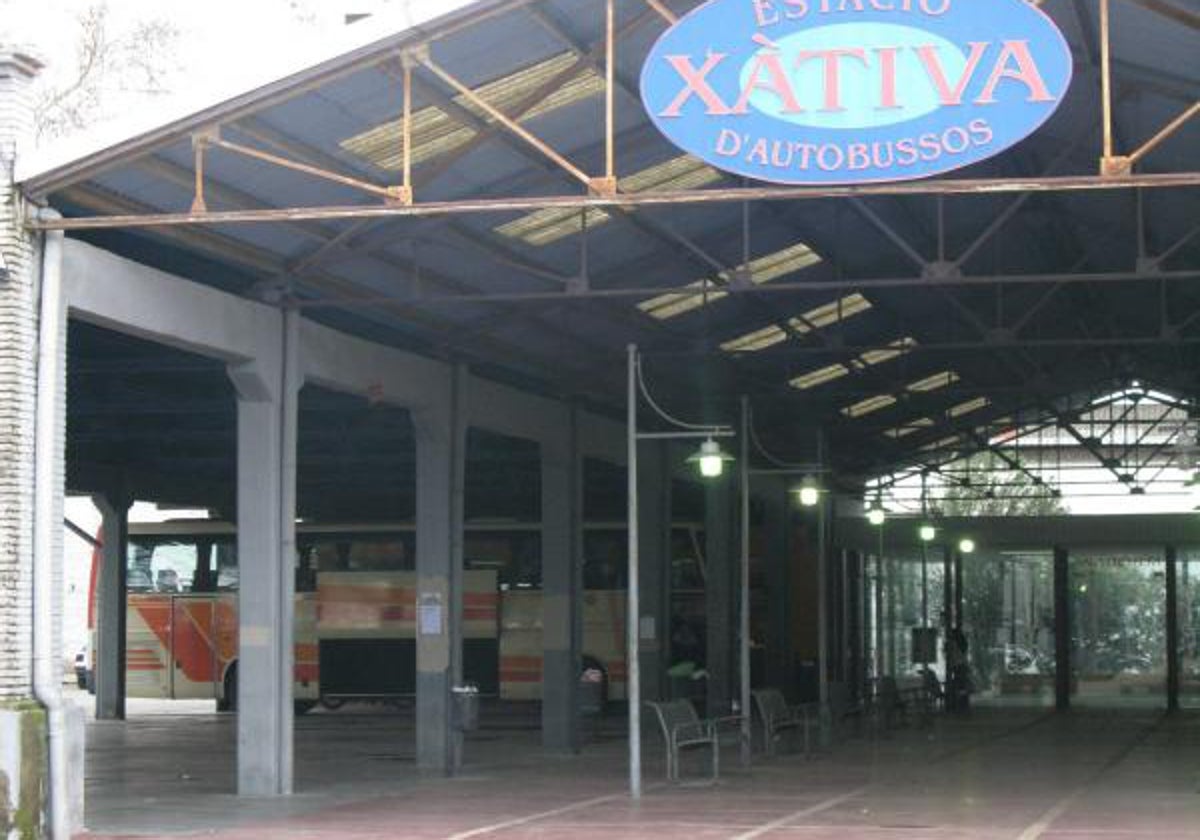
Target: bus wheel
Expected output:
[332,703]
[229,701]
[303,707]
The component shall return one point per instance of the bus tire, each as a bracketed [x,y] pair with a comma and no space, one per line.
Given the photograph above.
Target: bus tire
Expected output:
[332,703]
[303,707]
[229,701]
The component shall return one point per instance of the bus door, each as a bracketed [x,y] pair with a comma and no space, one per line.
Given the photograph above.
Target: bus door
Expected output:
[148,645]
[194,672]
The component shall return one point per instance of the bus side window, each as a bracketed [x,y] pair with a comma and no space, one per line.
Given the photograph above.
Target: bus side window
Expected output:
[227,565]
[306,568]
[204,581]
[138,577]
[161,565]
[604,559]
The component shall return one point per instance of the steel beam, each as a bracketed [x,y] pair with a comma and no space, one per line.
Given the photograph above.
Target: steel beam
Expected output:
[846,284]
[959,186]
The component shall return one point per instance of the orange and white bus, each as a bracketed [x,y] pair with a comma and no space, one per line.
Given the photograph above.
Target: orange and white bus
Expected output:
[355,609]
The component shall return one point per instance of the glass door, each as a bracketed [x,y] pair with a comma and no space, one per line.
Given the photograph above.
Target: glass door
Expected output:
[1118,632]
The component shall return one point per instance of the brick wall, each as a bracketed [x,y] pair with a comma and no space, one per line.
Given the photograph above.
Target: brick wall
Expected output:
[18,371]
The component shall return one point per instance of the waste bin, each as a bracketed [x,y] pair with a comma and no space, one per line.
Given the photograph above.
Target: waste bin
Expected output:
[466,707]
[592,691]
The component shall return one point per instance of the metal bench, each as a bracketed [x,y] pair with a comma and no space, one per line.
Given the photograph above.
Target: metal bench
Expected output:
[778,717]
[681,728]
[844,708]
[897,703]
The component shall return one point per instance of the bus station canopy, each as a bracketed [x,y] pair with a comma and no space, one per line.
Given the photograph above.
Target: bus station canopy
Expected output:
[912,323]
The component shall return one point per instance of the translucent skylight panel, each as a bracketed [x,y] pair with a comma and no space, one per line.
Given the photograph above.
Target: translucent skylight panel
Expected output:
[894,350]
[909,428]
[869,405]
[757,340]
[542,227]
[969,406]
[434,132]
[676,303]
[933,383]
[681,173]
[818,318]
[781,263]
[762,270]
[941,444]
[832,313]
[868,359]
[820,377]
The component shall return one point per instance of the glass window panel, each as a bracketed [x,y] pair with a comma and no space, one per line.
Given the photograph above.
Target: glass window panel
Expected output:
[161,564]
[1118,628]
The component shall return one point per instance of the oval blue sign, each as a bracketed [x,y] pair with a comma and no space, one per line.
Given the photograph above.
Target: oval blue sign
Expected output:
[854,91]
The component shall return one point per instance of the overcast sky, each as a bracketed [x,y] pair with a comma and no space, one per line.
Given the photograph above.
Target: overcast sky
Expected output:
[224,47]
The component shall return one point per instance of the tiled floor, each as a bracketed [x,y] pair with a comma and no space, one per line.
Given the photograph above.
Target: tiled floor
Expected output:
[997,774]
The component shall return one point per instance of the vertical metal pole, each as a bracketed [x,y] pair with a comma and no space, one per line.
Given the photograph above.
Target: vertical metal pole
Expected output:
[407,128]
[633,686]
[879,637]
[744,585]
[1106,78]
[822,589]
[1062,630]
[947,591]
[924,585]
[889,594]
[1172,630]
[610,69]
[960,618]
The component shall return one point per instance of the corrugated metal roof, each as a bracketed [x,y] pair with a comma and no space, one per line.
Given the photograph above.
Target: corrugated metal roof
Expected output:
[969,353]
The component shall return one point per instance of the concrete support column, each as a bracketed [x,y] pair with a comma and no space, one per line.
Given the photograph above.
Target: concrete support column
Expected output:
[719,592]
[777,561]
[268,389]
[441,437]
[1172,606]
[562,589]
[1062,629]
[109,674]
[654,551]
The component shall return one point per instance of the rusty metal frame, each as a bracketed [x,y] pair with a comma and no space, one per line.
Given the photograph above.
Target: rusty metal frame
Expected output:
[961,186]
[1111,163]
[216,141]
[1115,171]
[666,14]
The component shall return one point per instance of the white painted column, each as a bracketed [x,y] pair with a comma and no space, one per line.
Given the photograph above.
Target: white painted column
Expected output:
[441,432]
[111,607]
[562,589]
[267,403]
